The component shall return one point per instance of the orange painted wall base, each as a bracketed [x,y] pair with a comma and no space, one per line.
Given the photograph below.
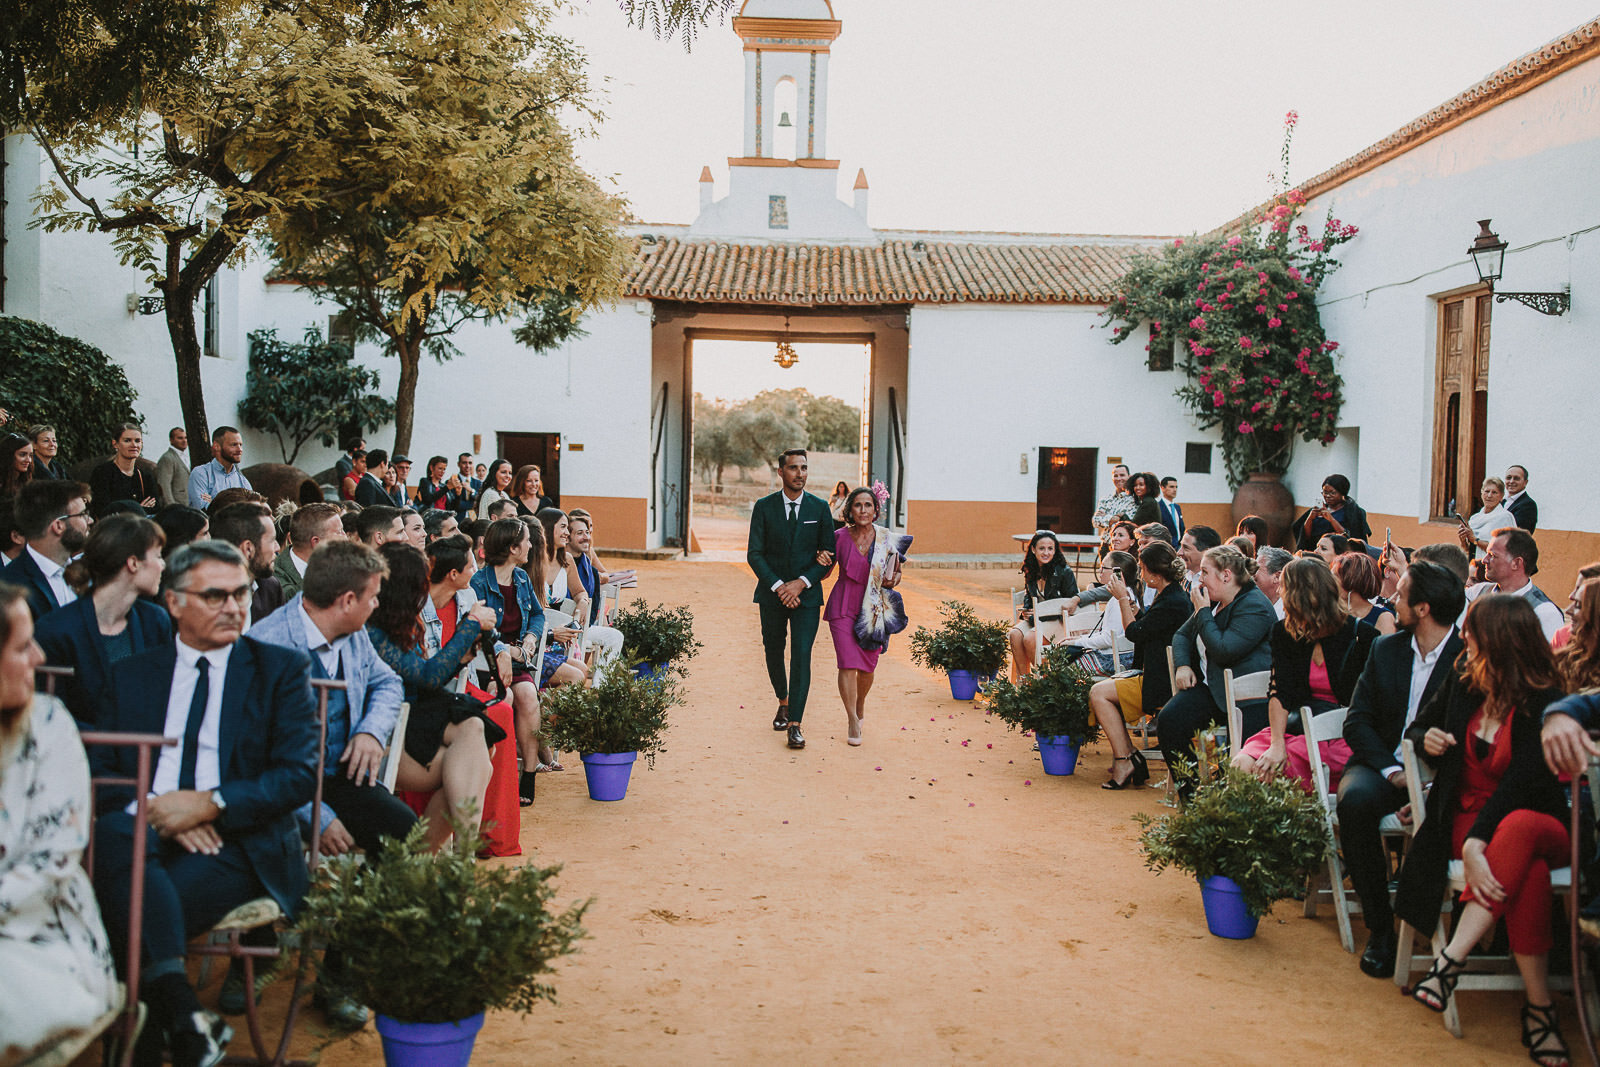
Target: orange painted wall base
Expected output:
[968,526]
[619,521]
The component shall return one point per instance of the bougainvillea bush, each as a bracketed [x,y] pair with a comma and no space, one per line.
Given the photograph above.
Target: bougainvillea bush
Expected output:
[1240,308]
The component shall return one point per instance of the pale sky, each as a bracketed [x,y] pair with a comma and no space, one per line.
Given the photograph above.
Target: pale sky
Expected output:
[1138,116]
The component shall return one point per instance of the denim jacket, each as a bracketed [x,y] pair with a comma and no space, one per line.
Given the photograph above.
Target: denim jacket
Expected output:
[488,590]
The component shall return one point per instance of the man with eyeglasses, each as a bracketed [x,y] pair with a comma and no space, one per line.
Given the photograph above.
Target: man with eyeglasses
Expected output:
[222,829]
[54,517]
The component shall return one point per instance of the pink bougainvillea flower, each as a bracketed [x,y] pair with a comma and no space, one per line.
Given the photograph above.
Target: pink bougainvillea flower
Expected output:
[1177,242]
[1027,781]
[1233,242]
[1245,427]
[1245,342]
[1290,295]
[1277,426]
[1274,322]
[1198,323]
[990,746]
[1261,309]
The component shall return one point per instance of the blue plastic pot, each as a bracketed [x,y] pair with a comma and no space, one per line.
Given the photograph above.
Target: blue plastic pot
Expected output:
[607,773]
[1058,754]
[650,670]
[963,685]
[1226,915]
[428,1044]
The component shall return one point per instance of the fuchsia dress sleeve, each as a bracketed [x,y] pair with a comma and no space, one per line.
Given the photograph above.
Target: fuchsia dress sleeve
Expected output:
[844,604]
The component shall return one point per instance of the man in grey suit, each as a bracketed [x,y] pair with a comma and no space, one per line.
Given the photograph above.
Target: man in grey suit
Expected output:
[787,530]
[172,469]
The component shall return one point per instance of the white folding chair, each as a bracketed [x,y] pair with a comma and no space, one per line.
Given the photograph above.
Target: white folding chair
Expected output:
[1051,616]
[1018,599]
[390,768]
[613,593]
[1236,690]
[1482,971]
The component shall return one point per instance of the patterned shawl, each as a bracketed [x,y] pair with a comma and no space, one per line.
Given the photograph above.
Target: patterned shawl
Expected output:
[882,612]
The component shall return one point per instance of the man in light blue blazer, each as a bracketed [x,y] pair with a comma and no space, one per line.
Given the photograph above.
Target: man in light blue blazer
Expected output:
[327,619]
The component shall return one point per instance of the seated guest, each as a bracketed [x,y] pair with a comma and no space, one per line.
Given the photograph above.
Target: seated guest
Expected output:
[46,453]
[370,491]
[1331,546]
[1509,566]
[221,808]
[1494,805]
[1360,581]
[181,524]
[1574,605]
[1270,562]
[1493,515]
[114,616]
[437,524]
[412,529]
[1578,658]
[327,618]
[54,518]
[1401,674]
[1448,556]
[590,571]
[121,477]
[504,508]
[1044,577]
[496,487]
[476,529]
[1392,562]
[1255,528]
[606,640]
[58,979]
[556,576]
[1317,656]
[379,524]
[1337,514]
[1245,545]
[434,490]
[1097,649]
[1145,489]
[354,475]
[222,472]
[248,526]
[351,520]
[11,540]
[1234,620]
[446,744]
[1197,541]
[1122,538]
[309,526]
[505,588]
[1152,531]
[1119,701]
[16,455]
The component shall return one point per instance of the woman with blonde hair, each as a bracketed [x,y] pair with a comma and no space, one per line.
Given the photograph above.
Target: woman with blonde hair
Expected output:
[1317,656]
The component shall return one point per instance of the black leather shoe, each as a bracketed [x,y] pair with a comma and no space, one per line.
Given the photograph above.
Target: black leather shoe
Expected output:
[201,1040]
[1377,959]
[780,721]
[795,740]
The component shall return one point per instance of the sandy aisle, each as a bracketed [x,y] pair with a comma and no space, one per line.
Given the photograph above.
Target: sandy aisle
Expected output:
[914,900]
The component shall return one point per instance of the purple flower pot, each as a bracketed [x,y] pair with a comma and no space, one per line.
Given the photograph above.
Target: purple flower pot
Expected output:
[1226,915]
[607,773]
[428,1044]
[963,685]
[1058,754]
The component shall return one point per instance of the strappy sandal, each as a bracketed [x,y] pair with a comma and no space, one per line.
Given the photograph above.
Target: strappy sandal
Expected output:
[1539,1025]
[1447,972]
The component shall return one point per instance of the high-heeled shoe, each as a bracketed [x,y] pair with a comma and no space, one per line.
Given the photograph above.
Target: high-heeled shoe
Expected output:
[856,740]
[1446,972]
[1540,1026]
[1136,777]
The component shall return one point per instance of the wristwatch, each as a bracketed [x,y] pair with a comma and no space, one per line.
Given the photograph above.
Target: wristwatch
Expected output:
[218,799]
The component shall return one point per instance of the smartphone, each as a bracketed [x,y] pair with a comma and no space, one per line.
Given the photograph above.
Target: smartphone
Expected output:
[1388,536]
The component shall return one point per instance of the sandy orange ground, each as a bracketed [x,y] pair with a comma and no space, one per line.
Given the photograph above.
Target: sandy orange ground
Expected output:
[915,900]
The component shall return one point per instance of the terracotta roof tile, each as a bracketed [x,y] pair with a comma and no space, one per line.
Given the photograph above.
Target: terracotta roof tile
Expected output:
[893,272]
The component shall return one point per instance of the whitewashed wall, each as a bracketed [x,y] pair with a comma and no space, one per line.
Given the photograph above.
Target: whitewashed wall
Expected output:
[989,383]
[1529,164]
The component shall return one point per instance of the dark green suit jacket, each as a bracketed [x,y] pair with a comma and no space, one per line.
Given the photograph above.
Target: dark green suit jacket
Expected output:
[775,556]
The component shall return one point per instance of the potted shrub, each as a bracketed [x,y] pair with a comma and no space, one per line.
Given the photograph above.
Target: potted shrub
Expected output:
[1249,843]
[967,648]
[1052,703]
[432,941]
[610,726]
[656,638]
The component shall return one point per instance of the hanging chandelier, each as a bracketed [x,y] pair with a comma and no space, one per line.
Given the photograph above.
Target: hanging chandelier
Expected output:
[786,356]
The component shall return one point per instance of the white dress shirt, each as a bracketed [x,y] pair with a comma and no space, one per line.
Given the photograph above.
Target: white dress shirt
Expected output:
[327,651]
[791,513]
[54,574]
[1550,617]
[297,563]
[1422,664]
[207,764]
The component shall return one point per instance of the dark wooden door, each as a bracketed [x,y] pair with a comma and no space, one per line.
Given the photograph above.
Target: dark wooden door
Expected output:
[1066,489]
[540,449]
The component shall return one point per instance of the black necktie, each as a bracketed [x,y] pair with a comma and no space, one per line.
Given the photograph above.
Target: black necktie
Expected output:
[191,729]
[794,512]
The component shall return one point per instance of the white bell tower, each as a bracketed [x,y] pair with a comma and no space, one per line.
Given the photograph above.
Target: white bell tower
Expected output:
[784,186]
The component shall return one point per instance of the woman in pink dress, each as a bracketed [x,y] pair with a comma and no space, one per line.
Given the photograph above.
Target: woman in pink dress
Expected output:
[863,609]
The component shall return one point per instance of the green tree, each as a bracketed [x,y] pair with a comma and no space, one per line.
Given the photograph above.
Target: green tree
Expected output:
[471,205]
[50,378]
[831,425]
[716,445]
[762,427]
[311,388]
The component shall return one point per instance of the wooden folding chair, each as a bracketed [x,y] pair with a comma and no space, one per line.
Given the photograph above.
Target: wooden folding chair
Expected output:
[1483,971]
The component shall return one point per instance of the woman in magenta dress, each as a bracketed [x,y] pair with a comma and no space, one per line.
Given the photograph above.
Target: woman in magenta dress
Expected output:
[863,609]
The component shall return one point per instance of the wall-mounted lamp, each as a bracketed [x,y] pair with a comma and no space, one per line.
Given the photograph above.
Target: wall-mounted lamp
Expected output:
[1489,257]
[146,305]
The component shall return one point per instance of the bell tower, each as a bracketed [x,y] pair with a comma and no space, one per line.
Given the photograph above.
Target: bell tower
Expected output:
[784,187]
[786,49]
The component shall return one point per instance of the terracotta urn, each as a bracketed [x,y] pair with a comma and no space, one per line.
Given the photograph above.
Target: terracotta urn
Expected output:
[1265,495]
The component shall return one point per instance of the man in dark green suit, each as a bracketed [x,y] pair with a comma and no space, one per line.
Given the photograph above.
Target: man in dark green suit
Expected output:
[787,530]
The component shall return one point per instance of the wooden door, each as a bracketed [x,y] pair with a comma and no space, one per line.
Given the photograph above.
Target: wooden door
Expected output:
[1461,408]
[1066,489]
[541,449]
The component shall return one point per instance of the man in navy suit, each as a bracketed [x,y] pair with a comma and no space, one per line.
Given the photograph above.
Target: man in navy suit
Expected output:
[1171,511]
[1401,673]
[54,517]
[222,829]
